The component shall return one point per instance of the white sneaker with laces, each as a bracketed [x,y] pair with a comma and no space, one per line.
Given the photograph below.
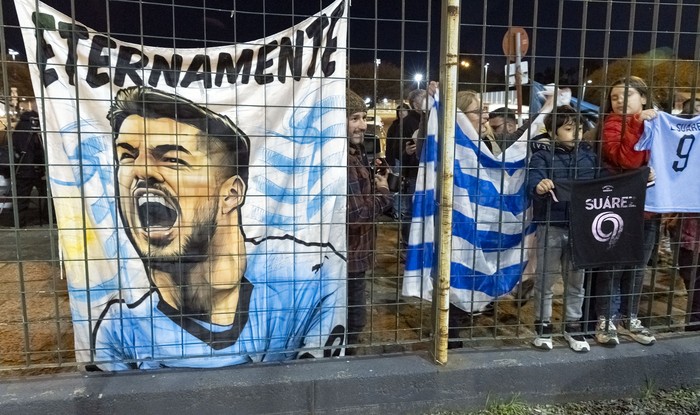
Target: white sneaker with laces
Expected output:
[606,332]
[637,332]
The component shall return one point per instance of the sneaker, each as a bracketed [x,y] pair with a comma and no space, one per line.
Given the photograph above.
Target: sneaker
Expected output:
[637,332]
[606,333]
[574,335]
[544,335]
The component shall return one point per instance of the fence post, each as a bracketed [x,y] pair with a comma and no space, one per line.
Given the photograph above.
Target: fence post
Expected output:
[449,58]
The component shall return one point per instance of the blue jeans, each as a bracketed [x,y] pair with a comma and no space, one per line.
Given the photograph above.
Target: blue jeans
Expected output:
[620,289]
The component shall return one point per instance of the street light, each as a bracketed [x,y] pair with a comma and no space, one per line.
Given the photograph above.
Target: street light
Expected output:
[377,62]
[486,74]
[583,92]
[418,78]
[13,90]
[464,64]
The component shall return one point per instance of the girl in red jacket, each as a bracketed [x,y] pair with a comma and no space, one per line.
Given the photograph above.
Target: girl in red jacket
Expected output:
[619,290]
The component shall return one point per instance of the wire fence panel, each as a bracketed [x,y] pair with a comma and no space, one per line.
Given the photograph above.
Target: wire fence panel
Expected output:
[179,185]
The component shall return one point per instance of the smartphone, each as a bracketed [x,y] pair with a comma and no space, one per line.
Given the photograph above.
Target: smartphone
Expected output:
[381,170]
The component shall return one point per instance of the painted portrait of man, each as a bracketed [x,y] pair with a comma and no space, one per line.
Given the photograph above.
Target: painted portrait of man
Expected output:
[182,174]
[199,193]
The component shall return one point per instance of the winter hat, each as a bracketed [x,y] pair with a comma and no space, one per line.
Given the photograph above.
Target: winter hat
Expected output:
[353,103]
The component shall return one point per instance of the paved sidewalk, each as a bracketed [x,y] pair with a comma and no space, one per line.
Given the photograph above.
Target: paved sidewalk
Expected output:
[401,383]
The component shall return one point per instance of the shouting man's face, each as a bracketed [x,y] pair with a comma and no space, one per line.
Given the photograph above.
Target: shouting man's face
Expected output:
[167,184]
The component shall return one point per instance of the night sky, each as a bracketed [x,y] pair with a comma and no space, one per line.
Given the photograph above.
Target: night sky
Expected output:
[407,32]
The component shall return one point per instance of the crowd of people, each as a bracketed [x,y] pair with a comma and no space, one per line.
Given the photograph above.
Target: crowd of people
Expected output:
[563,151]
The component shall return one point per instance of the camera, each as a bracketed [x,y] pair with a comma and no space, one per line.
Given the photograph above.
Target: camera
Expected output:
[393,179]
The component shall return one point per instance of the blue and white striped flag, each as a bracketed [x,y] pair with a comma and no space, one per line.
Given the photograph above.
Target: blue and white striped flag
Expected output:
[489,219]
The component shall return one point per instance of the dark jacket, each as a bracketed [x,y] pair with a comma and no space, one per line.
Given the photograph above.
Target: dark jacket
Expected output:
[505,139]
[365,204]
[399,134]
[27,146]
[560,163]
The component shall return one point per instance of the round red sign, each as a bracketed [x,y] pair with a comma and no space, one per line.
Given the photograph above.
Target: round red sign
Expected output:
[510,40]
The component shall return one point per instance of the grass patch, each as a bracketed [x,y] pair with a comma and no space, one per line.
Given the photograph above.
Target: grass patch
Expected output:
[684,401]
[649,389]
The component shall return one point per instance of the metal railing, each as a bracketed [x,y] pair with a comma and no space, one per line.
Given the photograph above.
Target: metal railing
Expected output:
[584,46]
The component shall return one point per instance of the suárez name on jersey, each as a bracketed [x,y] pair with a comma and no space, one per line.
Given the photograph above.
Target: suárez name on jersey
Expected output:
[614,202]
[686,127]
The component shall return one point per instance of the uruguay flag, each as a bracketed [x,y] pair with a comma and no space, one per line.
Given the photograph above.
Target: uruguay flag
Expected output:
[489,219]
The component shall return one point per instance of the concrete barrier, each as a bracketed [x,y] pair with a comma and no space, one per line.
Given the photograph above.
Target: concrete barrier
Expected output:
[368,385]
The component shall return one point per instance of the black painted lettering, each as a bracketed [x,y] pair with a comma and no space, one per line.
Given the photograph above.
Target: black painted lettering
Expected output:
[43,22]
[194,74]
[225,66]
[263,63]
[291,56]
[72,33]
[126,67]
[327,65]
[315,32]
[97,60]
[170,71]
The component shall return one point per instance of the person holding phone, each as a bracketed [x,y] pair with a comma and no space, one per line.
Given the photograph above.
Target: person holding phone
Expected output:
[368,198]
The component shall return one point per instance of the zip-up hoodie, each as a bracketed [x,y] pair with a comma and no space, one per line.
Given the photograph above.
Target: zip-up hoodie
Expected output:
[558,163]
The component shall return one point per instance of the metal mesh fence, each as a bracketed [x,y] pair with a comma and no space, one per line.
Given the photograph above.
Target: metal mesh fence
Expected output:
[393,50]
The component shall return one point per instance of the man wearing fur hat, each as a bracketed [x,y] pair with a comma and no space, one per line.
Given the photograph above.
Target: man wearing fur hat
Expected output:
[368,197]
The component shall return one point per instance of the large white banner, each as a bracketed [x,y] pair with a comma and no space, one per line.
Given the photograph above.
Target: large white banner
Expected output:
[199,193]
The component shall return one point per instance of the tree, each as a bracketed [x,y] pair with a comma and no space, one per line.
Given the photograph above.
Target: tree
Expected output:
[669,79]
[386,84]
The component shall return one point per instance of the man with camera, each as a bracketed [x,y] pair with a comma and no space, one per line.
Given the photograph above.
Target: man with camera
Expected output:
[368,197]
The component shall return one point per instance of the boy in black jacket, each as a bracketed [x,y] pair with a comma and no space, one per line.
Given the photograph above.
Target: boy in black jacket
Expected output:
[566,158]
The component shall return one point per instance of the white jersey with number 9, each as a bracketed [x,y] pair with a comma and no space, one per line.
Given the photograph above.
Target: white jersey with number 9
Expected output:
[675,158]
